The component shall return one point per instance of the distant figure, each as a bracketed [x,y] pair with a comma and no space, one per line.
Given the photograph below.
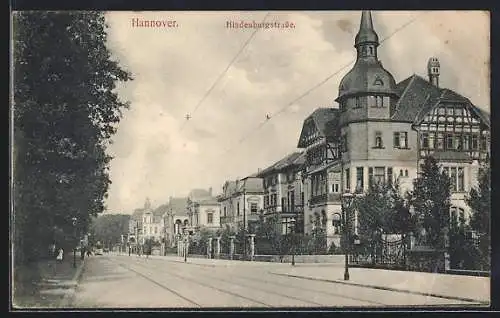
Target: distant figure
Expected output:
[82,253]
[88,252]
[60,255]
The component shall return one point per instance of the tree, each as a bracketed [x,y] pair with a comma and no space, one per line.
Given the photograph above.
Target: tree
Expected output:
[109,228]
[65,112]
[479,200]
[431,201]
[268,232]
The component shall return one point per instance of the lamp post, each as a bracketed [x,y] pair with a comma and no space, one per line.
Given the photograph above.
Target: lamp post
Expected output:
[346,201]
[185,245]
[74,219]
[292,232]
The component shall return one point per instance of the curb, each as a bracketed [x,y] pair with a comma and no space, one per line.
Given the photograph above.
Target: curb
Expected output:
[67,298]
[482,302]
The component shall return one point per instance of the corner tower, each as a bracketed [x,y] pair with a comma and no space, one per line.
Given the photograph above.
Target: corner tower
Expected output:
[367,91]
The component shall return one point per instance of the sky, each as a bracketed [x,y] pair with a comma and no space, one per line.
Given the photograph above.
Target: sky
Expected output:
[187,70]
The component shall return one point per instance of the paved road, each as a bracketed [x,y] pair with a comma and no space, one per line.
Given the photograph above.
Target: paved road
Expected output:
[120,281]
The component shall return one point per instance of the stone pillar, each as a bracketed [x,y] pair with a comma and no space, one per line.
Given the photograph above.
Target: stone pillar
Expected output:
[231,247]
[209,248]
[217,247]
[252,246]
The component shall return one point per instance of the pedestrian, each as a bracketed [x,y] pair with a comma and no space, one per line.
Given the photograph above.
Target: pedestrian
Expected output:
[82,253]
[88,252]
[60,255]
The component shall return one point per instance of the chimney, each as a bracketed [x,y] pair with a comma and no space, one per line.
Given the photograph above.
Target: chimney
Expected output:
[433,68]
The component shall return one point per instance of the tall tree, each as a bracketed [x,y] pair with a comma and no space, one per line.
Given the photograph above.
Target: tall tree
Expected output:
[65,112]
[431,201]
[479,200]
[108,228]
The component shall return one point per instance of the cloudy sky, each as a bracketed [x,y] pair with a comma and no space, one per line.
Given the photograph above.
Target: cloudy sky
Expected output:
[158,153]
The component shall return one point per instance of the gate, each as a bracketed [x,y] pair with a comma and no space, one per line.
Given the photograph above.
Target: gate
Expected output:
[389,251]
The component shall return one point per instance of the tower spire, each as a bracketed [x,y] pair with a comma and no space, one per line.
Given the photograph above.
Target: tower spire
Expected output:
[366,41]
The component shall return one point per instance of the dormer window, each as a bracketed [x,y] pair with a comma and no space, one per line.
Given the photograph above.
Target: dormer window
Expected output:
[378,82]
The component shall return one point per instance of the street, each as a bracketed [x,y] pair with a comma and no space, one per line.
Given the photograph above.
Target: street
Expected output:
[122,281]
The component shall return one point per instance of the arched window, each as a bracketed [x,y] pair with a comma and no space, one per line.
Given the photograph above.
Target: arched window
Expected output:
[336,219]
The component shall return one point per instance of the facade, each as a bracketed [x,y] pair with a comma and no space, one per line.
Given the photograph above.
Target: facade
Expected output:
[203,210]
[385,129]
[175,219]
[241,203]
[283,190]
[320,139]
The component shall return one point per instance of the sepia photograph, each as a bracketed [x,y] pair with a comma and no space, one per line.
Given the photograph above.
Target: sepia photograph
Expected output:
[229,160]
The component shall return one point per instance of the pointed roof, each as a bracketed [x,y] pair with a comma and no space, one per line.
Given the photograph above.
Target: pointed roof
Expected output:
[197,194]
[419,97]
[366,33]
[293,159]
[251,184]
[326,121]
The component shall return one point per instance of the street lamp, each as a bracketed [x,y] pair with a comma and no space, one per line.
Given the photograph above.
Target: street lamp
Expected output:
[346,201]
[185,245]
[74,219]
[292,232]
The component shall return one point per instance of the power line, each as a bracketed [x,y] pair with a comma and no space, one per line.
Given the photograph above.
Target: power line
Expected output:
[310,90]
[260,125]
[223,72]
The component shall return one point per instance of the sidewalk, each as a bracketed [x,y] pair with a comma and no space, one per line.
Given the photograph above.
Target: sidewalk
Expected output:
[54,286]
[459,287]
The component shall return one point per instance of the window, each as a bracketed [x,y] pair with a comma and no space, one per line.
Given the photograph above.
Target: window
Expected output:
[238,209]
[357,102]
[441,111]
[359,179]
[458,142]
[431,140]
[336,188]
[401,140]
[406,172]
[370,177]
[379,175]
[440,141]
[465,142]
[302,198]
[449,141]
[379,101]
[449,111]
[156,230]
[253,208]
[460,181]
[210,218]
[456,175]
[347,179]
[389,175]
[474,142]
[225,211]
[378,139]
[283,204]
